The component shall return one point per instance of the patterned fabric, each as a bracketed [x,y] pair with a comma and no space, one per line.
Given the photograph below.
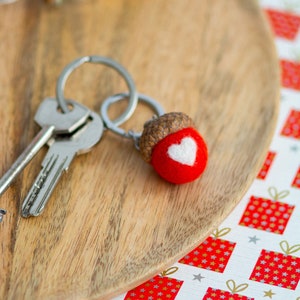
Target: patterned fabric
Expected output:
[255,253]
[157,288]
[267,165]
[213,254]
[266,214]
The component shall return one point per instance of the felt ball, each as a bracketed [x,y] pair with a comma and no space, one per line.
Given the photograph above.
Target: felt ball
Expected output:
[174,148]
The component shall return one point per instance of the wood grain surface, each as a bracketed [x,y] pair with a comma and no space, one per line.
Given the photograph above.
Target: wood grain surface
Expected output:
[112,222]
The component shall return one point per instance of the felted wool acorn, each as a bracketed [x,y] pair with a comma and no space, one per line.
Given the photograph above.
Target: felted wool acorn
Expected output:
[175,149]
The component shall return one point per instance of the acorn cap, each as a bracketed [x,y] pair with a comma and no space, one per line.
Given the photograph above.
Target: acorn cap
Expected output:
[157,129]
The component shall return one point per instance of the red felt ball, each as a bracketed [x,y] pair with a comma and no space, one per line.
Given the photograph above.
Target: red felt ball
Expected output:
[180,157]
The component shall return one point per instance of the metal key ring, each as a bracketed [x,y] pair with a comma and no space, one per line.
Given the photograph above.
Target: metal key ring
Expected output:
[118,97]
[132,96]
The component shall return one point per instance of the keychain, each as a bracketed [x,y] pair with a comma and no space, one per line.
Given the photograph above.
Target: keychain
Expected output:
[169,142]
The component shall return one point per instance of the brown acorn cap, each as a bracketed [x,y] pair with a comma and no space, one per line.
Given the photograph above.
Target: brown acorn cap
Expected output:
[157,129]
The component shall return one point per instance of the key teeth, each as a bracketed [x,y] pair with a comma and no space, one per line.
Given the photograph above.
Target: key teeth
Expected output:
[36,188]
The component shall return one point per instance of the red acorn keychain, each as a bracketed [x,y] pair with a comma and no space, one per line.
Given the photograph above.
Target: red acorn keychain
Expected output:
[169,142]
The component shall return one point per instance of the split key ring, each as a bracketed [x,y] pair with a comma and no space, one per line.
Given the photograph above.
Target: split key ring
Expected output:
[95,59]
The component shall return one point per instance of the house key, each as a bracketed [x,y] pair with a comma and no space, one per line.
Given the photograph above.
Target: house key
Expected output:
[59,124]
[62,150]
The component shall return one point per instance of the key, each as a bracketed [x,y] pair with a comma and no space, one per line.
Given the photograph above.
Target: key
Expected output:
[61,153]
[58,123]
[2,213]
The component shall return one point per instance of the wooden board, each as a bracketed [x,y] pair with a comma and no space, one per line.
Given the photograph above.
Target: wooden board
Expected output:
[112,222]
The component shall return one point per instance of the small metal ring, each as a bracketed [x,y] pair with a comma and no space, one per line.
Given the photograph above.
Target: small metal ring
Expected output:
[111,125]
[132,102]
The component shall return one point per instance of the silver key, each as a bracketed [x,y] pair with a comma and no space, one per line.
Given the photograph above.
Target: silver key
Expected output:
[52,122]
[58,158]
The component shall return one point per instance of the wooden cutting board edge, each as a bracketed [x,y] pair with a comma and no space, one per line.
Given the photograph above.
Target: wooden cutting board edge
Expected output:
[173,260]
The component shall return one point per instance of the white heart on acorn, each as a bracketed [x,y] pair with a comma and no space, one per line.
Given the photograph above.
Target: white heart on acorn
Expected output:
[185,152]
[174,148]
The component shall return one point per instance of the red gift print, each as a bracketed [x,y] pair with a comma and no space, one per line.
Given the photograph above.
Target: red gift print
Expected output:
[282,270]
[267,165]
[296,181]
[290,74]
[291,127]
[266,214]
[216,294]
[159,287]
[285,25]
[213,254]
